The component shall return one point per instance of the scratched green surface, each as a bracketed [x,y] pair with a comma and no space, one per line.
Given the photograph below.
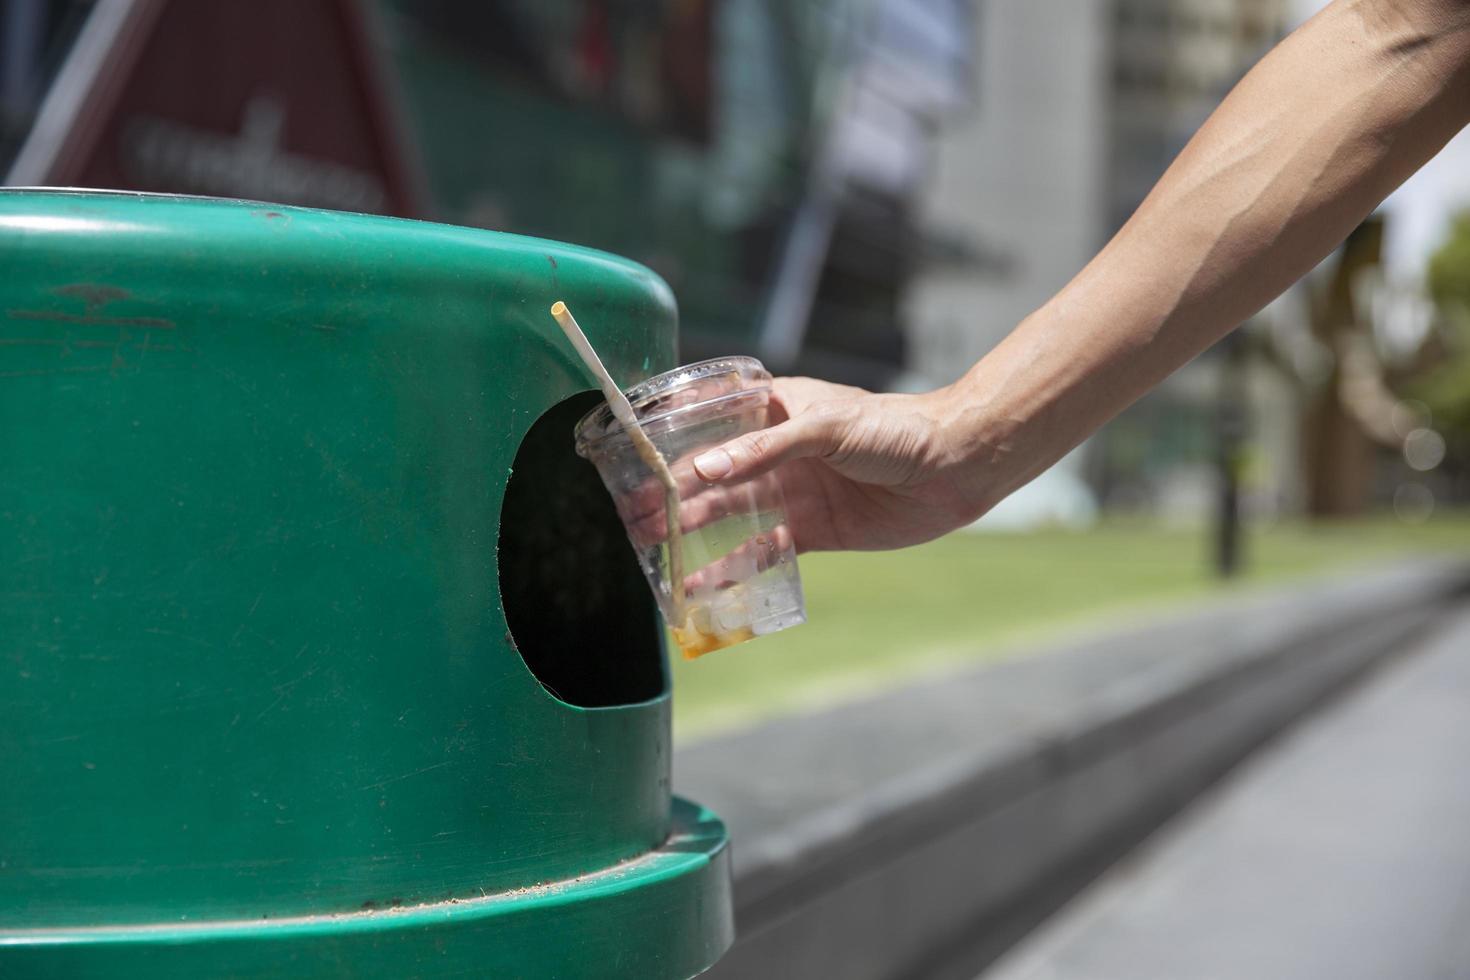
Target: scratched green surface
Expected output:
[253,661]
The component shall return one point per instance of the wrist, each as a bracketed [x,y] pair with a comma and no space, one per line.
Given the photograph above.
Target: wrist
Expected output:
[996,426]
[973,446]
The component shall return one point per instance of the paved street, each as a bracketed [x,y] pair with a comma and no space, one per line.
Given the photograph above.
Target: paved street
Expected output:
[1341,852]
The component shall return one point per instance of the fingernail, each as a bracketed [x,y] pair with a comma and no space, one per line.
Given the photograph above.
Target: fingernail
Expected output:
[713,465]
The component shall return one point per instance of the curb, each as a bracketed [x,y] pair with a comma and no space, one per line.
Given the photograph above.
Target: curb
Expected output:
[924,830]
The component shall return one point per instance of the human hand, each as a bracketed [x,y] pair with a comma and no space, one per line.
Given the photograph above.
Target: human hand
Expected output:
[859,471]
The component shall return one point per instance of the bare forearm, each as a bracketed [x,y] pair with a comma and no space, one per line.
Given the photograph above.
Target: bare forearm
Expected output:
[1306,146]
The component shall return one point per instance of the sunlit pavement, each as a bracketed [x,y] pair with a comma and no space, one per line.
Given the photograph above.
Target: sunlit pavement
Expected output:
[1341,852]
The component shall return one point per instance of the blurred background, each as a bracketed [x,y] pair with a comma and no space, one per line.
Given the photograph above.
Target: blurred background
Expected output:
[870,191]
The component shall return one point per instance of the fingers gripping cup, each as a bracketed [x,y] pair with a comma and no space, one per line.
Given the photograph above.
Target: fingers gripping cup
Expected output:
[738,558]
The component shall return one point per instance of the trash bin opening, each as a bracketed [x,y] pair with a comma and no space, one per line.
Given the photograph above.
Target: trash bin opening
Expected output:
[575,601]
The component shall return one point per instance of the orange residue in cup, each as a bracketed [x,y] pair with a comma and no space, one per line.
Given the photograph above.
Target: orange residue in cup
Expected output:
[694,642]
[701,633]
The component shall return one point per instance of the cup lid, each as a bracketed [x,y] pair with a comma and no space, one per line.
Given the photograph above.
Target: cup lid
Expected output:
[667,393]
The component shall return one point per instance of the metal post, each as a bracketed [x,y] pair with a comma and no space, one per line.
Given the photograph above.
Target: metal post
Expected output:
[1230,429]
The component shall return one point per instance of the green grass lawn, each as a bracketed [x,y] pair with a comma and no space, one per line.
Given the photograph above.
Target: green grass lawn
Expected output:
[876,620]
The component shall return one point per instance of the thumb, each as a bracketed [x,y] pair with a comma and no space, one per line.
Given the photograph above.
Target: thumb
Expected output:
[812,433]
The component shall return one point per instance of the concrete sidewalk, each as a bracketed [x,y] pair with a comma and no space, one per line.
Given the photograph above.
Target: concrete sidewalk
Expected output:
[1342,852]
[920,833]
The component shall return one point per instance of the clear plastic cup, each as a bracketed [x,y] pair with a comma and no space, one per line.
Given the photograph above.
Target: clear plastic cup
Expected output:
[739,562]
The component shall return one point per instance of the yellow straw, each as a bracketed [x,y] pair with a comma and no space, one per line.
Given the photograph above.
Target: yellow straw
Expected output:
[647,451]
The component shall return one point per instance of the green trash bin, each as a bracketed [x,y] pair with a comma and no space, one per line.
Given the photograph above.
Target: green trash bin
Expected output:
[320,651]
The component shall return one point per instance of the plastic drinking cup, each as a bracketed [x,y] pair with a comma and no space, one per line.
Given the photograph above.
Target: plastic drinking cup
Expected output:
[739,561]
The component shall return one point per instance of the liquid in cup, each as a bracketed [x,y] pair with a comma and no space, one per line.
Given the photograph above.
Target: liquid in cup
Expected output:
[739,562]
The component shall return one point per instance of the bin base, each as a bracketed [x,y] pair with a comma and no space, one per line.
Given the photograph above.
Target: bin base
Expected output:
[665,914]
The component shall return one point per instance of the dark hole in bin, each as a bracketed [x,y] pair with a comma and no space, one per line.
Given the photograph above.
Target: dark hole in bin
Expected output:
[576,603]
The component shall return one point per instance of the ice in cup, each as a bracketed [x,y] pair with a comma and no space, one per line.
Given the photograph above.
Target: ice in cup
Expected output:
[738,559]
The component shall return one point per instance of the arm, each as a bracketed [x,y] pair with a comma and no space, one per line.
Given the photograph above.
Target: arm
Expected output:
[1310,141]
[1319,133]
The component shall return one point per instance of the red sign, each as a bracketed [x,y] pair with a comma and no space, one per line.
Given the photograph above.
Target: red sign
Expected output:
[272,100]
